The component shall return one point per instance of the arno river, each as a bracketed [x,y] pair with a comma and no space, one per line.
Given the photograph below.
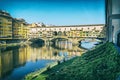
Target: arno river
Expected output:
[16,62]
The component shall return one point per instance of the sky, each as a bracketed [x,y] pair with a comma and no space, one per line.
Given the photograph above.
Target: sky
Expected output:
[57,12]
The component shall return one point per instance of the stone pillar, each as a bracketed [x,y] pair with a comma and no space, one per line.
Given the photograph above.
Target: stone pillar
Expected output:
[110,34]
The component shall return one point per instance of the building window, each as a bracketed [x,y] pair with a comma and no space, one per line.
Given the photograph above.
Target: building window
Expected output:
[94,28]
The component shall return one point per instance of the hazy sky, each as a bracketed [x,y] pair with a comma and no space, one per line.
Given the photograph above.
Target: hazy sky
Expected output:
[57,12]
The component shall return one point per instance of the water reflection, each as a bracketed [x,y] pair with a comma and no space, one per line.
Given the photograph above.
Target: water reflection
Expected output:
[65,44]
[90,43]
[15,63]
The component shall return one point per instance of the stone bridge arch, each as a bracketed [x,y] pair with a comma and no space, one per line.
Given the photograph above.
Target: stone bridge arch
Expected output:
[55,33]
[60,33]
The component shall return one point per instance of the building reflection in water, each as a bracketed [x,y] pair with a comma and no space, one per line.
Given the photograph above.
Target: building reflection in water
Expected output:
[15,58]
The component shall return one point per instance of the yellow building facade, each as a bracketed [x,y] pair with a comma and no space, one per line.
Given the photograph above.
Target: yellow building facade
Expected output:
[5,25]
[20,29]
[12,28]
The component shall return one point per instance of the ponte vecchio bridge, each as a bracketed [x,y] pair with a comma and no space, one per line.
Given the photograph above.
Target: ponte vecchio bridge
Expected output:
[72,31]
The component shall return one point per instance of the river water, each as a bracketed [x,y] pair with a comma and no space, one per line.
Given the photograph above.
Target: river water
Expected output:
[16,62]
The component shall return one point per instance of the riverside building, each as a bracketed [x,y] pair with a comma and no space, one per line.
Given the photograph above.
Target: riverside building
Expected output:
[5,25]
[12,29]
[113,21]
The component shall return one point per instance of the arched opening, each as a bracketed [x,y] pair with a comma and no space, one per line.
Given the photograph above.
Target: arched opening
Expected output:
[118,39]
[55,33]
[59,33]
